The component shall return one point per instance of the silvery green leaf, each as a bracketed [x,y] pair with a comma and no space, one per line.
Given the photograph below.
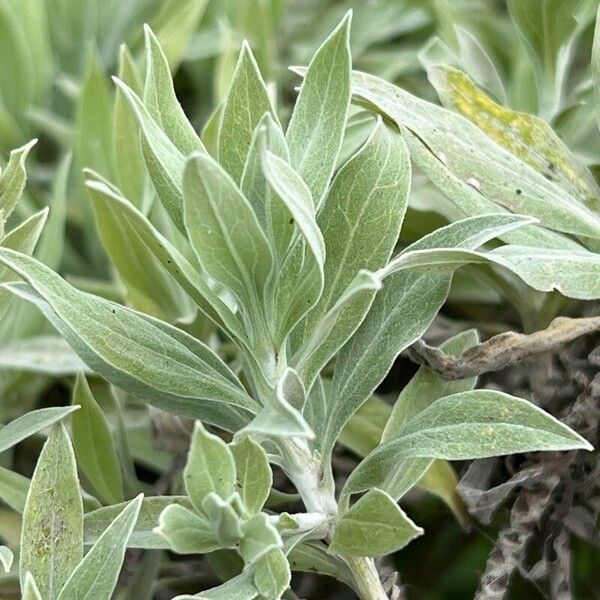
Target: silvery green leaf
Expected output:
[30,589]
[94,445]
[161,101]
[373,526]
[96,575]
[271,212]
[426,386]
[177,265]
[129,161]
[224,231]
[526,136]
[259,538]
[31,423]
[23,238]
[279,417]
[224,518]
[272,575]
[144,534]
[253,473]
[469,202]
[246,102]
[294,193]
[210,467]
[240,587]
[316,128]
[186,531]
[12,181]
[360,221]
[399,315]
[423,389]
[475,158]
[164,161]
[52,532]
[468,425]
[142,355]
[575,274]
[337,325]
[6,558]
[51,246]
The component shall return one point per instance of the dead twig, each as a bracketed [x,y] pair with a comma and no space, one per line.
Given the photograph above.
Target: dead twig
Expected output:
[502,350]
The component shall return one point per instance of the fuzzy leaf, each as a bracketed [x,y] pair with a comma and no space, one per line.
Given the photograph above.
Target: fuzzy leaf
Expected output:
[375,525]
[400,314]
[186,531]
[12,181]
[474,157]
[52,533]
[224,231]
[210,467]
[129,161]
[30,588]
[253,474]
[96,575]
[316,128]
[271,212]
[144,534]
[224,518]
[360,221]
[259,537]
[273,575]
[30,423]
[246,102]
[143,355]
[464,426]
[526,136]
[161,101]
[164,161]
[136,225]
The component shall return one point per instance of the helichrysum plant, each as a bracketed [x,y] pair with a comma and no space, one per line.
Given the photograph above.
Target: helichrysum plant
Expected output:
[254,237]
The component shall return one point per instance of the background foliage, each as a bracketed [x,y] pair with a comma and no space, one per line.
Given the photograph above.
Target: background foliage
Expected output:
[518,83]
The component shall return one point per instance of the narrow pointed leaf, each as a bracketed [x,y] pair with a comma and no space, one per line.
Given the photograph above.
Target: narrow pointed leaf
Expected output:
[316,128]
[144,356]
[31,423]
[94,445]
[246,102]
[161,101]
[96,575]
[224,231]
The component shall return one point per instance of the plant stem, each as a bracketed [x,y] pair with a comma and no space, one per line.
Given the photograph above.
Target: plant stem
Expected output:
[367,578]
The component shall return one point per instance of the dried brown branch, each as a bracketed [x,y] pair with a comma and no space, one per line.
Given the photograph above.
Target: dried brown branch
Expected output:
[502,350]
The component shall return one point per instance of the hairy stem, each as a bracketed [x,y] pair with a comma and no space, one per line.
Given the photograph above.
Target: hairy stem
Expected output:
[367,578]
